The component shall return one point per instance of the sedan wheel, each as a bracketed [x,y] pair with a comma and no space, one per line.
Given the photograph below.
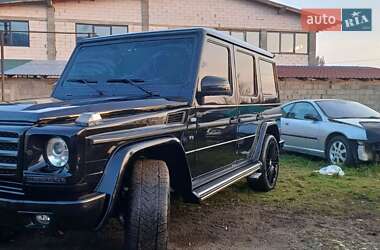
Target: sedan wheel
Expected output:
[339,151]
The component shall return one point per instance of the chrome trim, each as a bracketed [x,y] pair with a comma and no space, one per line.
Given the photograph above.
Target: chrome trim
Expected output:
[220,144]
[8,140]
[8,166]
[11,192]
[8,153]
[77,202]
[229,181]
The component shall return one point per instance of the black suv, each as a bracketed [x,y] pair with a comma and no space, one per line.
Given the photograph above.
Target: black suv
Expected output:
[133,119]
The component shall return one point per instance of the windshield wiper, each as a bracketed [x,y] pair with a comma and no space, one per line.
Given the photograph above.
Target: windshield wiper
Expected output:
[87,83]
[133,82]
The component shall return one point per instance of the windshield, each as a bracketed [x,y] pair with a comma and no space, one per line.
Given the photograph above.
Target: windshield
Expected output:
[132,68]
[346,109]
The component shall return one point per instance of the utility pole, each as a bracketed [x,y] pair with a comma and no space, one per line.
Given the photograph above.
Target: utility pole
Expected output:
[2,65]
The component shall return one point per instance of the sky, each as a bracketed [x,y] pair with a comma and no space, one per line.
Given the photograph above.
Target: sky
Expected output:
[346,48]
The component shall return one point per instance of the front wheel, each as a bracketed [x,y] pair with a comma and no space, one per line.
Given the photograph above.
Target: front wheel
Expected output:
[270,166]
[147,207]
[339,151]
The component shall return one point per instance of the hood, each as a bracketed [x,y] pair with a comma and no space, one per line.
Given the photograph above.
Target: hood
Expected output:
[36,110]
[356,121]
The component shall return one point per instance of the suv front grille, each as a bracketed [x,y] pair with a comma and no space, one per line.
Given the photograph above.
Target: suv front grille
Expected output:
[8,150]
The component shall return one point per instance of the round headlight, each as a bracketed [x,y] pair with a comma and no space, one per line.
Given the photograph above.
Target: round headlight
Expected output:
[57,152]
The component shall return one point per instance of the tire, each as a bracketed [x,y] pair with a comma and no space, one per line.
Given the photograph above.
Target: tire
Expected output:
[339,151]
[270,166]
[148,200]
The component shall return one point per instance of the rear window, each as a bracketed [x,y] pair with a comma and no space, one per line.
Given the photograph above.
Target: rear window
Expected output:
[268,81]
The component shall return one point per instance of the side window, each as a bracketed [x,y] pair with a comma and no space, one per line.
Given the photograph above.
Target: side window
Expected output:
[268,81]
[245,70]
[216,61]
[286,109]
[301,109]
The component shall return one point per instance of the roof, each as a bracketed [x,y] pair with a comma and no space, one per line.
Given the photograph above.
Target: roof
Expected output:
[266,2]
[328,72]
[38,68]
[181,31]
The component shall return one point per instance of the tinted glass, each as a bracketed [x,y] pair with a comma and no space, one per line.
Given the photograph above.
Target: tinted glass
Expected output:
[346,109]
[301,43]
[301,109]
[116,30]
[267,78]
[285,110]
[215,61]
[287,42]
[245,73]
[160,65]
[273,39]
[253,38]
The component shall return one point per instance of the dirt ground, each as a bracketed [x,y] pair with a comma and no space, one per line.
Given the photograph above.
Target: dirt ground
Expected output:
[233,225]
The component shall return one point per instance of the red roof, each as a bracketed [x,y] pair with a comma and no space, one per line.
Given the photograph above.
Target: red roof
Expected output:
[328,72]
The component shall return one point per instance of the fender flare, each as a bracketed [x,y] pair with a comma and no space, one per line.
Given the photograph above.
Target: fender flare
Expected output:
[262,130]
[116,167]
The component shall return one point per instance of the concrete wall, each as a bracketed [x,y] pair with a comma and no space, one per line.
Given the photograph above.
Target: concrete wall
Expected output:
[366,92]
[244,15]
[24,88]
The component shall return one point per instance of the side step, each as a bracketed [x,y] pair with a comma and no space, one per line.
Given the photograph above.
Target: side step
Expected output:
[210,188]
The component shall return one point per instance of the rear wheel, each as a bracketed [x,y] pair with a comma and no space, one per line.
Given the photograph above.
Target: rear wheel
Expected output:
[147,206]
[270,169]
[339,151]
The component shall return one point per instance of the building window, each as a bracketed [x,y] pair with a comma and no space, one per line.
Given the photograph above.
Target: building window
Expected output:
[252,37]
[16,33]
[93,30]
[245,70]
[301,46]
[287,42]
[273,42]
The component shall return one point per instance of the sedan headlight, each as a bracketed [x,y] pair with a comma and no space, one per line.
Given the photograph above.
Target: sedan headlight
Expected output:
[57,152]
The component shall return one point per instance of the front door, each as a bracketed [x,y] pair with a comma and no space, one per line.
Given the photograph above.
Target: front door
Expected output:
[216,116]
[301,134]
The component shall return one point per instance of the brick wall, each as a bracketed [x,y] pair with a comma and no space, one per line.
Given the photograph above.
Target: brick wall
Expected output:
[366,92]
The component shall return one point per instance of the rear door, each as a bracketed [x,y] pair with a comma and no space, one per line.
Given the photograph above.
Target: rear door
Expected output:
[248,98]
[301,134]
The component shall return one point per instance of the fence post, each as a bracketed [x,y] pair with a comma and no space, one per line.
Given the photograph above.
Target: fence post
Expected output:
[2,65]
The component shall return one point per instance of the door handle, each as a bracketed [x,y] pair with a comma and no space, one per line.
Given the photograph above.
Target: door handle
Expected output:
[286,123]
[234,120]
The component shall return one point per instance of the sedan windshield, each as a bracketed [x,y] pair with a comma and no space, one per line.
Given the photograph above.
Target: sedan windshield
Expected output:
[131,68]
[340,109]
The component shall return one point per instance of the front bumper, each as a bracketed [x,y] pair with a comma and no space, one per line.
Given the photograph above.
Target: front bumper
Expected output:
[85,212]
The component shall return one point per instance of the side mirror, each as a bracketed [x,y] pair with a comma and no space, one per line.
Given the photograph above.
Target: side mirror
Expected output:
[311,117]
[214,86]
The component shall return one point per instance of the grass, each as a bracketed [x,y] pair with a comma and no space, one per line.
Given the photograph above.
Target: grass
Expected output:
[300,188]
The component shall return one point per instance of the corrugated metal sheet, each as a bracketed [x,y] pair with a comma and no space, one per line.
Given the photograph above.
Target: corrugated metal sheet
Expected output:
[38,68]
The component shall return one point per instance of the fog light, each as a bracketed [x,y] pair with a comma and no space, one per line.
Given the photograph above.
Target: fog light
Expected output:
[43,219]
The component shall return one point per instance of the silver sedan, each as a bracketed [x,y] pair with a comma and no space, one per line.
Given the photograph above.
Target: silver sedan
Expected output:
[343,132]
